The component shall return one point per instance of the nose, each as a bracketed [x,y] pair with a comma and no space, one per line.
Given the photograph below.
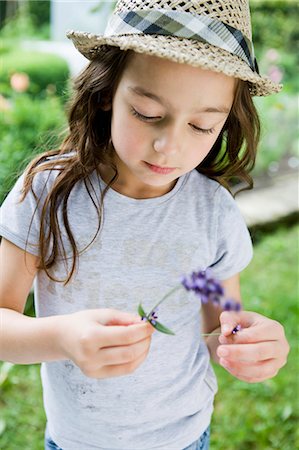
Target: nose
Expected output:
[168,143]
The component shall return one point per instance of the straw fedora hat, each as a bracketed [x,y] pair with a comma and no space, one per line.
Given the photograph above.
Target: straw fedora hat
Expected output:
[211,34]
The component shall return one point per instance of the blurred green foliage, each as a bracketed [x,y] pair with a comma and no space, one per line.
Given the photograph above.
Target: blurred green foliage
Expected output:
[39,12]
[43,70]
[31,20]
[32,117]
[275,25]
[279,134]
[29,126]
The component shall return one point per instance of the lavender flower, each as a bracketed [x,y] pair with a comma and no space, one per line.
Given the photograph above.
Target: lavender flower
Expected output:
[152,318]
[206,287]
[236,329]
[231,305]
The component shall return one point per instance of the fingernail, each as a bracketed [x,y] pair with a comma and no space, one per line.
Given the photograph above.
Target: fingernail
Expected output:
[222,339]
[222,351]
[225,328]
[223,363]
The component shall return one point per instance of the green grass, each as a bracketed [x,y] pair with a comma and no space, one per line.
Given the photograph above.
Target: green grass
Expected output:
[264,416]
[247,416]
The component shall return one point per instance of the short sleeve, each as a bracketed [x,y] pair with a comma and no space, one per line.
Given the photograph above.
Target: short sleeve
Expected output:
[20,220]
[233,245]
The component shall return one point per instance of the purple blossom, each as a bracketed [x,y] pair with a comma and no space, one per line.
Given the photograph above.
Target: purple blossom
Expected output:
[275,74]
[152,317]
[272,55]
[208,289]
[231,305]
[236,329]
[204,286]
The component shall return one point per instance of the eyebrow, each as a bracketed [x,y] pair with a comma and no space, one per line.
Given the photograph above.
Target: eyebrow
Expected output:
[144,93]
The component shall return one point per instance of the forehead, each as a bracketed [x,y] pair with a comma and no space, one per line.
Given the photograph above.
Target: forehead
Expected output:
[176,83]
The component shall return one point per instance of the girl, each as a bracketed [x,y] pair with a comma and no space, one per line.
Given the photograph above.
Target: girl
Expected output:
[161,120]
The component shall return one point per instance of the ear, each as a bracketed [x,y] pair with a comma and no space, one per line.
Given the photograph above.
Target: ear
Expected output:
[106,107]
[105,101]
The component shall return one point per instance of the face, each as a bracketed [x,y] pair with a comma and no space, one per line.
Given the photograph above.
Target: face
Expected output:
[165,119]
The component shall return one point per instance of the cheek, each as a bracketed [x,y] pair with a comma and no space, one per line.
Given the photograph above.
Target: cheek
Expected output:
[209,143]
[203,149]
[128,138]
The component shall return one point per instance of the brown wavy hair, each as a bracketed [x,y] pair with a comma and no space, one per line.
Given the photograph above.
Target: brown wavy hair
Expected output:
[89,131]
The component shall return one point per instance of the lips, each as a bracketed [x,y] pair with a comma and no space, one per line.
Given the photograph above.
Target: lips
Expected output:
[160,169]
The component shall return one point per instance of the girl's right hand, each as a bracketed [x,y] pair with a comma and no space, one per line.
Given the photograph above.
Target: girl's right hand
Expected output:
[105,343]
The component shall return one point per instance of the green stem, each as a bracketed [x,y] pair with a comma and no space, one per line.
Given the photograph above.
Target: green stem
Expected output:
[165,297]
[210,334]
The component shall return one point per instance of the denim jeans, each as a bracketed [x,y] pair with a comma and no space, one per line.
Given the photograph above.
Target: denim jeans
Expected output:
[201,444]
[49,443]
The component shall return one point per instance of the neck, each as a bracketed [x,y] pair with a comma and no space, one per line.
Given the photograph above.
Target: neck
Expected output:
[125,185]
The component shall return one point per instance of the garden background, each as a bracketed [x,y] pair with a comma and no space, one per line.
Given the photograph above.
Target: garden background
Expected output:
[34,89]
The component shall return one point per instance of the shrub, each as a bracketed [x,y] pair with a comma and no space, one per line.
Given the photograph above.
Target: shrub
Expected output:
[31,19]
[40,13]
[279,118]
[275,24]
[28,127]
[43,70]
[275,29]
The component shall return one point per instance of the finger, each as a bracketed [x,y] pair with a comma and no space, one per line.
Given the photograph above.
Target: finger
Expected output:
[230,319]
[250,352]
[115,317]
[251,372]
[113,336]
[254,328]
[121,369]
[123,354]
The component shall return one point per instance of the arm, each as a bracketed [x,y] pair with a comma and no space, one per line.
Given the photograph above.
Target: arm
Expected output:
[23,339]
[211,315]
[103,343]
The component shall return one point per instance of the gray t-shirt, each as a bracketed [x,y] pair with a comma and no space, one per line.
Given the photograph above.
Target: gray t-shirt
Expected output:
[140,254]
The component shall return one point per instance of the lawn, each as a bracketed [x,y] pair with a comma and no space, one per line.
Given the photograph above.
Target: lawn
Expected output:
[264,416]
[247,416]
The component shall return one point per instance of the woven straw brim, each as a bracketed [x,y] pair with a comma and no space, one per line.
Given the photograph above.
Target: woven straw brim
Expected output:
[179,50]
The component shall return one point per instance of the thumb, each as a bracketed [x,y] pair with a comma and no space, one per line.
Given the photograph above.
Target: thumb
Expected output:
[231,319]
[228,321]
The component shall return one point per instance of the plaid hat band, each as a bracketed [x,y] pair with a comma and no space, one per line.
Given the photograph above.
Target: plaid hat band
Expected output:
[183,25]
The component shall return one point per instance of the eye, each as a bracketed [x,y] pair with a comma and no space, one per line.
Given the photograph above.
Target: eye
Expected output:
[203,130]
[142,117]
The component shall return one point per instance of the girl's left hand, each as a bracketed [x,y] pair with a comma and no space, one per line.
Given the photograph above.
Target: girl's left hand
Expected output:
[257,351]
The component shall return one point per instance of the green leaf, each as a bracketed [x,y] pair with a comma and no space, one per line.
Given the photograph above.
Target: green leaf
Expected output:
[286,412]
[162,328]
[5,368]
[141,311]
[2,426]
[158,326]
